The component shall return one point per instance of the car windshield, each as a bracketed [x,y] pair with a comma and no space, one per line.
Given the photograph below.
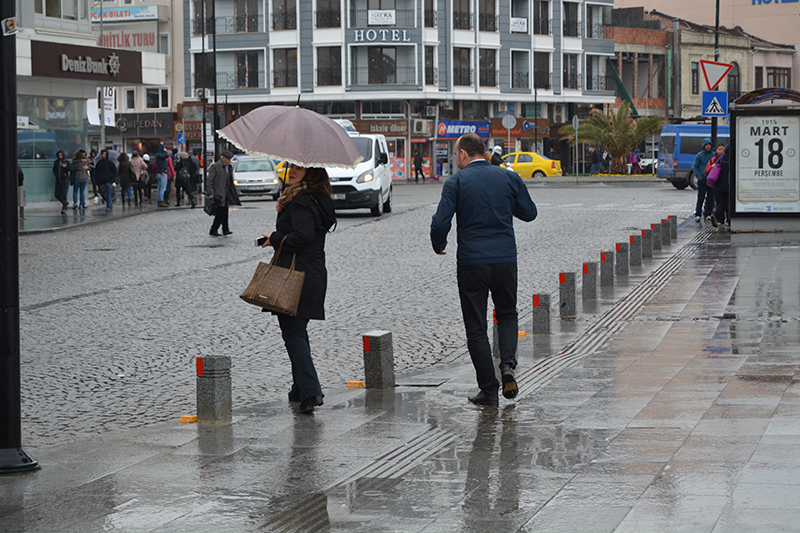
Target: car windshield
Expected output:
[254,165]
[364,145]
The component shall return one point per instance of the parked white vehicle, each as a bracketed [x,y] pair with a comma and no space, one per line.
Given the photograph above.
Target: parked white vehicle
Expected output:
[369,185]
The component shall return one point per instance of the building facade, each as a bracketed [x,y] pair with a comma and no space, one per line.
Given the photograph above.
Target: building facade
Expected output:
[419,71]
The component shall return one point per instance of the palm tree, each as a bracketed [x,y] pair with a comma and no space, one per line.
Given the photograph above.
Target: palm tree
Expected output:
[618,133]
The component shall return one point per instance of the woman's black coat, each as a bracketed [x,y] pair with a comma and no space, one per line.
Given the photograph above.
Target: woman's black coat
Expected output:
[304,222]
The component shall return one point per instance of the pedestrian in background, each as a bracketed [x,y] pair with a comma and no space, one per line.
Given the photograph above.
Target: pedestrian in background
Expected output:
[126,178]
[151,178]
[139,167]
[105,172]
[222,192]
[721,188]
[305,214]
[485,200]
[62,170]
[80,165]
[164,170]
[497,156]
[95,188]
[418,167]
[197,176]
[595,160]
[183,179]
[705,194]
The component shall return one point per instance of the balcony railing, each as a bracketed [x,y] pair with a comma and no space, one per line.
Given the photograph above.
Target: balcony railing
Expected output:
[328,19]
[462,20]
[240,80]
[600,83]
[431,19]
[398,76]
[284,21]
[543,80]
[594,31]
[329,76]
[542,26]
[571,28]
[431,76]
[519,80]
[487,22]
[462,76]
[403,18]
[571,81]
[487,77]
[284,78]
[229,25]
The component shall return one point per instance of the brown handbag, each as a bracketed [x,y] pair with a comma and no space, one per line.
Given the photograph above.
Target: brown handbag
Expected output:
[275,288]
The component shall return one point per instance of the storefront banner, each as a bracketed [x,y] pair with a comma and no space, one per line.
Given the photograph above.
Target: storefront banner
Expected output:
[525,128]
[109,97]
[453,129]
[113,14]
[389,128]
[142,36]
[157,125]
[104,65]
[398,168]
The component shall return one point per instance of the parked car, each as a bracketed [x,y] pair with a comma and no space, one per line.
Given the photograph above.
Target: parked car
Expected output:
[532,165]
[256,176]
[369,185]
[649,162]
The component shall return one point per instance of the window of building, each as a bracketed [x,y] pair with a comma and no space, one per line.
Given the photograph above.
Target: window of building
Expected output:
[130,99]
[462,17]
[156,98]
[520,69]
[247,71]
[337,109]
[328,14]
[487,17]
[734,82]
[594,22]
[382,107]
[570,71]
[571,28]
[487,68]
[759,81]
[163,43]
[204,78]
[461,66]
[284,15]
[695,78]
[430,14]
[476,110]
[329,65]
[532,110]
[382,64]
[541,17]
[285,67]
[779,77]
[64,9]
[430,70]
[541,70]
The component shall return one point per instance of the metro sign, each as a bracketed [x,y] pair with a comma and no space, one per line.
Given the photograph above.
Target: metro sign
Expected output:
[714,72]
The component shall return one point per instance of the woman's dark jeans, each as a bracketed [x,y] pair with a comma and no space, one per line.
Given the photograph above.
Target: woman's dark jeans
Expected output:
[304,375]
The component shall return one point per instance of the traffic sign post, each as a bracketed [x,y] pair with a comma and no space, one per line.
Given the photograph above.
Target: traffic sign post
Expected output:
[715,104]
[575,125]
[714,72]
[509,121]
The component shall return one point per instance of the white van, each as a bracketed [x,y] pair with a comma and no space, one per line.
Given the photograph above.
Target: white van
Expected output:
[369,185]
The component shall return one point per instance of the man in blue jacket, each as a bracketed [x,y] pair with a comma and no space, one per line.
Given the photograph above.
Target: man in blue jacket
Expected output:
[704,192]
[485,200]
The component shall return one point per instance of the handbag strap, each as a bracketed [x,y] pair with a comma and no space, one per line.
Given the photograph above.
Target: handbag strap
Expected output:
[278,253]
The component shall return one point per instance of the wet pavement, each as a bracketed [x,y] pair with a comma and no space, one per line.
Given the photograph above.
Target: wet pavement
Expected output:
[669,404]
[45,217]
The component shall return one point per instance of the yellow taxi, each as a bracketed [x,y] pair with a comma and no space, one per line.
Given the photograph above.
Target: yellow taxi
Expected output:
[532,165]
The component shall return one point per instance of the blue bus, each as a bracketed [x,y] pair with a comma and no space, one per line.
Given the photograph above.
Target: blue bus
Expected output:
[677,148]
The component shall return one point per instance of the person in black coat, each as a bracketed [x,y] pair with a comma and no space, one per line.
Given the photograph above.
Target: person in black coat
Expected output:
[721,188]
[418,167]
[305,214]
[62,170]
[105,171]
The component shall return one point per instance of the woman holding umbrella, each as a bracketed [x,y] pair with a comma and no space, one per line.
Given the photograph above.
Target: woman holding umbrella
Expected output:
[305,214]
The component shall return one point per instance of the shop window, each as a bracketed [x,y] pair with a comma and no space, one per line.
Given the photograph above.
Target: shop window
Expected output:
[157,98]
[382,107]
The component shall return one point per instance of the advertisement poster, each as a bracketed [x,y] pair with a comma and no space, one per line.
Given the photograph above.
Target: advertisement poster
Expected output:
[768,164]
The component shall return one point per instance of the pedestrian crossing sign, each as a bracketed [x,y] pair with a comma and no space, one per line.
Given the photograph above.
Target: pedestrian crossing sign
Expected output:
[715,103]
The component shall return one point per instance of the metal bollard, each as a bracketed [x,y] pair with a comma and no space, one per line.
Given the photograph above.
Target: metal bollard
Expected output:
[647,243]
[621,264]
[607,269]
[214,403]
[566,294]
[378,360]
[589,285]
[666,240]
[636,250]
[541,314]
[673,227]
[656,236]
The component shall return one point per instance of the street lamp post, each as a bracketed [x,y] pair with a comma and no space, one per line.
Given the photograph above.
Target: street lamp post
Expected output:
[13,458]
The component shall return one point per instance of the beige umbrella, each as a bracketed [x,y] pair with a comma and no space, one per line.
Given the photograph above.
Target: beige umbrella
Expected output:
[293,134]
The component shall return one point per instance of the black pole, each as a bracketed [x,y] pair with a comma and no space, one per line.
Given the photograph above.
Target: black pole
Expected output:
[203,100]
[214,44]
[13,458]
[716,58]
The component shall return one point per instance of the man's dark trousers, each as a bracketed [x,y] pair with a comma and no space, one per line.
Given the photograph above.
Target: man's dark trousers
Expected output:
[704,192]
[220,218]
[475,282]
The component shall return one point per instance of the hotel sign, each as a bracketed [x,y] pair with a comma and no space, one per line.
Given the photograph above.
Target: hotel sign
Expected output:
[394,36]
[381,18]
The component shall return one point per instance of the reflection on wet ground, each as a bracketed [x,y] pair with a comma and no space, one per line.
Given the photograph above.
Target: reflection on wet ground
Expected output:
[684,418]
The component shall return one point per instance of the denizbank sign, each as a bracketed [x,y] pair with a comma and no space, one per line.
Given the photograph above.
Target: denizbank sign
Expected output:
[58,60]
[88,65]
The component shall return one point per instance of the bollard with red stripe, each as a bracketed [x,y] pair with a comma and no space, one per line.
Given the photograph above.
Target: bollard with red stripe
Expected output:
[378,360]
[621,264]
[657,239]
[607,269]
[666,237]
[589,285]
[214,398]
[647,243]
[541,314]
[635,250]
[566,294]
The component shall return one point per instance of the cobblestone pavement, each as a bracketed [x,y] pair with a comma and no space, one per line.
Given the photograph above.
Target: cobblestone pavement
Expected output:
[114,314]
